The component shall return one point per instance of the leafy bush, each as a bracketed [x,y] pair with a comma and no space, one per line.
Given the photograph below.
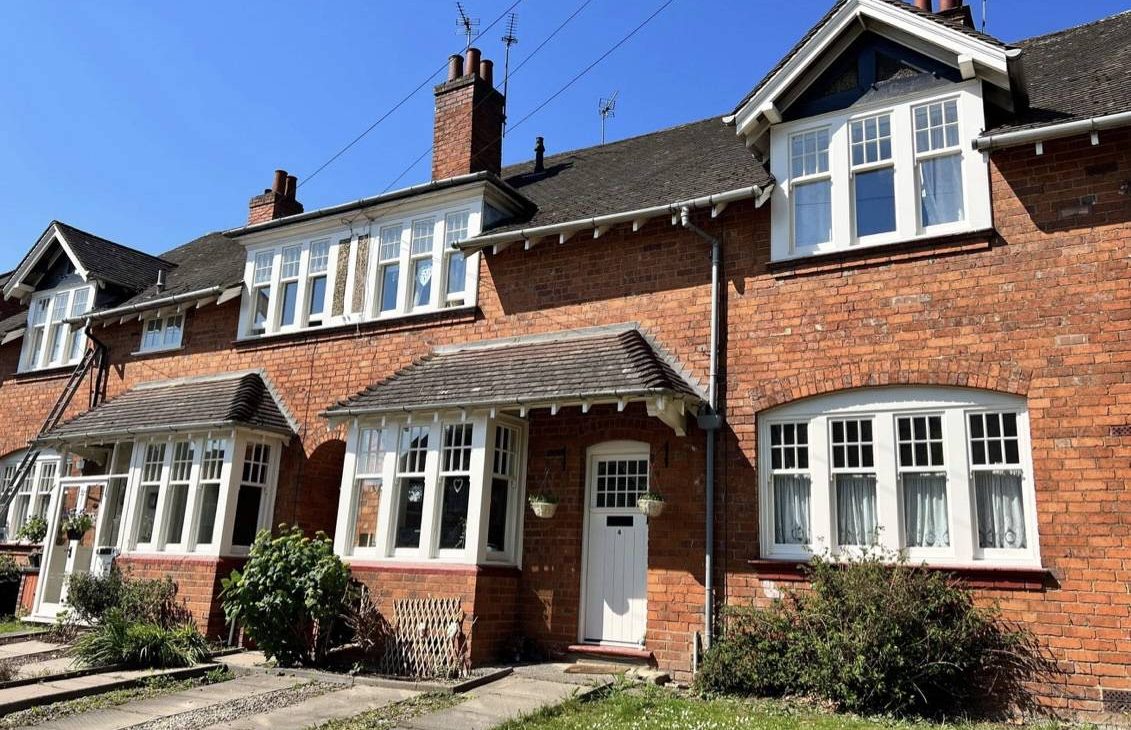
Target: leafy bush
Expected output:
[119,641]
[34,530]
[289,596]
[872,637]
[138,600]
[9,571]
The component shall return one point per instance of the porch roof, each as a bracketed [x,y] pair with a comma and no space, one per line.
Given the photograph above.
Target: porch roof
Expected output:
[230,400]
[602,364]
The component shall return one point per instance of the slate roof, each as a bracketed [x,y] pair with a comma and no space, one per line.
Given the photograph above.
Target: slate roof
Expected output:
[236,399]
[680,163]
[113,262]
[949,21]
[597,363]
[1076,73]
[213,260]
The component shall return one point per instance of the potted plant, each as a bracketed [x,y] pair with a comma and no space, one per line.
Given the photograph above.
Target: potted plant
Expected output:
[544,505]
[33,531]
[77,524]
[651,504]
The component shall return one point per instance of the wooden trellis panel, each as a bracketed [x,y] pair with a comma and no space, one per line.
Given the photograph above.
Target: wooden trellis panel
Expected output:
[427,640]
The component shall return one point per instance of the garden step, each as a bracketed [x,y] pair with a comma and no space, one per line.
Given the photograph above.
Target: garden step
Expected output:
[170,705]
[316,710]
[610,654]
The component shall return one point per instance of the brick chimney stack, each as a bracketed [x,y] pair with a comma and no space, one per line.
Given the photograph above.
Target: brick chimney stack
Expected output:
[277,201]
[467,136]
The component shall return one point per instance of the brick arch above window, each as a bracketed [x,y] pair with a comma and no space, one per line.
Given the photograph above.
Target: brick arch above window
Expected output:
[1000,377]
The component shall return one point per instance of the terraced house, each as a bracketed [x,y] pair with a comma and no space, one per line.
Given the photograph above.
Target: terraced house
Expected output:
[883,302]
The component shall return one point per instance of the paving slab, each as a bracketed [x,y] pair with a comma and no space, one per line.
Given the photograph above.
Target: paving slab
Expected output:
[46,666]
[32,647]
[334,705]
[496,703]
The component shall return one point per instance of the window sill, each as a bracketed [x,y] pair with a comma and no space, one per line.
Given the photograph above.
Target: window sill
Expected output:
[426,567]
[449,315]
[46,373]
[157,351]
[883,254]
[999,577]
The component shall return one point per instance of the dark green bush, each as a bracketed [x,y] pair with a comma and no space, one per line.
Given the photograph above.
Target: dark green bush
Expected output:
[137,600]
[289,596]
[872,637]
[118,641]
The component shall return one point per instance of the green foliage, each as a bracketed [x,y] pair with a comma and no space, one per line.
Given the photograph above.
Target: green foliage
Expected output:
[9,571]
[138,600]
[77,523]
[119,641]
[289,596]
[34,530]
[873,637]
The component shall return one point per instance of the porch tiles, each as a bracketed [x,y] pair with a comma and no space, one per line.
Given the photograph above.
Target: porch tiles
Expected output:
[499,702]
[165,706]
[316,710]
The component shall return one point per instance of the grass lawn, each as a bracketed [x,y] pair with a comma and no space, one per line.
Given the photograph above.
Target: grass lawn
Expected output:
[10,625]
[657,709]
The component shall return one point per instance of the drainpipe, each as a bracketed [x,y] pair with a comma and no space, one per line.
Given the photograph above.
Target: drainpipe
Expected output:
[710,422]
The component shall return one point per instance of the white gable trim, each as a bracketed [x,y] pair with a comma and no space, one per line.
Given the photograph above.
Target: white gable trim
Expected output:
[945,44]
[17,287]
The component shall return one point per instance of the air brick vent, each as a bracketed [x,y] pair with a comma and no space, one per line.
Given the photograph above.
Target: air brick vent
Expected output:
[1121,431]
[1117,700]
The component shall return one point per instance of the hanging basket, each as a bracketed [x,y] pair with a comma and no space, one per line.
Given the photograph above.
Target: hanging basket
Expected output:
[543,510]
[650,507]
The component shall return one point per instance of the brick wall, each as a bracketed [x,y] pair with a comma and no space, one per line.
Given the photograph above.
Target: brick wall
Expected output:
[1041,308]
[198,582]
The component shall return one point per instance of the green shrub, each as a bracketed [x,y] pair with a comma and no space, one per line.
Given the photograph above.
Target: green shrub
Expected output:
[9,571]
[117,641]
[289,596]
[138,600]
[872,637]
[34,530]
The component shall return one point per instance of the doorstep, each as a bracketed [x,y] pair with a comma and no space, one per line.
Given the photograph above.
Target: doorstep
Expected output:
[616,654]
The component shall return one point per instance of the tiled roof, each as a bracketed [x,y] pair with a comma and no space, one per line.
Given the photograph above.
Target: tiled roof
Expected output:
[950,22]
[13,323]
[672,165]
[571,366]
[1076,73]
[237,399]
[213,260]
[112,262]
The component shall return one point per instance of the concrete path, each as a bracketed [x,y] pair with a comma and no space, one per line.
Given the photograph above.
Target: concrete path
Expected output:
[332,706]
[45,667]
[41,693]
[21,650]
[495,703]
[155,708]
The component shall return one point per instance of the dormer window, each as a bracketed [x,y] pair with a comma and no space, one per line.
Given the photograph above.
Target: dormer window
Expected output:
[162,333]
[886,174]
[392,268]
[51,341]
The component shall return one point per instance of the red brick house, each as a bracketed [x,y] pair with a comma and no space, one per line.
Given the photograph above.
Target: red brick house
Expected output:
[883,302]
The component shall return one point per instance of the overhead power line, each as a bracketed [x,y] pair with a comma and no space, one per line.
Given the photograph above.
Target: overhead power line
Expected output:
[400,103]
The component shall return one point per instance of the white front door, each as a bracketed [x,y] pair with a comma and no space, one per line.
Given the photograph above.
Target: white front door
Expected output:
[615,595]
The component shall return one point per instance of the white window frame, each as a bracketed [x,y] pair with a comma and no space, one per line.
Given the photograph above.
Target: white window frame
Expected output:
[35,488]
[57,307]
[161,327]
[475,548]
[884,406]
[977,213]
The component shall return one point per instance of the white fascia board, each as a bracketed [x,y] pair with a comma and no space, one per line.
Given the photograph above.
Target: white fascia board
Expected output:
[986,57]
[15,284]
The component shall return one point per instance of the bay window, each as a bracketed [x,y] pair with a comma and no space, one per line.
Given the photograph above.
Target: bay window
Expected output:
[943,475]
[211,481]
[395,268]
[248,519]
[455,490]
[879,173]
[34,495]
[50,341]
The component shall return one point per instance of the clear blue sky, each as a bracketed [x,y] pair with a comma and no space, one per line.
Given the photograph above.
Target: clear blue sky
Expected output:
[150,123]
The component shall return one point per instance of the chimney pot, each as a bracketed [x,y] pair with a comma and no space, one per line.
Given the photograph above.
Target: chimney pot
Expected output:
[539,153]
[923,5]
[472,67]
[949,4]
[292,188]
[280,183]
[455,66]
[487,71]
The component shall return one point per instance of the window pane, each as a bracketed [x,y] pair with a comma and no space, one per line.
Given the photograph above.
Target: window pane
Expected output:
[365,521]
[455,228]
[173,329]
[422,237]
[290,303]
[812,213]
[262,302]
[264,262]
[292,255]
[875,201]
[497,515]
[456,274]
[148,512]
[410,511]
[791,509]
[1001,510]
[421,282]
[246,522]
[209,497]
[390,243]
[115,508]
[856,509]
[319,257]
[453,518]
[177,501]
[389,276]
[370,451]
[941,182]
[925,510]
[317,297]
